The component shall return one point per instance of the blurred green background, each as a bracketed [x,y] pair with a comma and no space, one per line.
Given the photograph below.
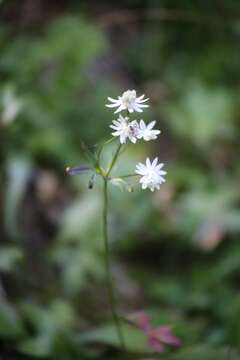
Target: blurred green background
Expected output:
[176,252]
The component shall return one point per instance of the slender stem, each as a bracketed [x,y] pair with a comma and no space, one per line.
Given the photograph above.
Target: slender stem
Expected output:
[114,159]
[108,266]
[127,176]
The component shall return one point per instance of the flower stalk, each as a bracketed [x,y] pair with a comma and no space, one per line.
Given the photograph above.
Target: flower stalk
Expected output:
[114,159]
[151,173]
[110,287]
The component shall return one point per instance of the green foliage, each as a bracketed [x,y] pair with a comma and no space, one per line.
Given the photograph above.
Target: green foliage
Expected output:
[176,253]
[52,326]
[203,116]
[135,340]
[11,326]
[9,258]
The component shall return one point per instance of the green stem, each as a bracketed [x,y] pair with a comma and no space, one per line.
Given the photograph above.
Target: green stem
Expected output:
[127,176]
[114,159]
[108,266]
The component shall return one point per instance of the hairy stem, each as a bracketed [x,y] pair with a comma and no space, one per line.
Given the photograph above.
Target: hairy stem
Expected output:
[108,267]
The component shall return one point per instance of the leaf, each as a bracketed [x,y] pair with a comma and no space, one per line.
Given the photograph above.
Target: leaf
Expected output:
[39,346]
[135,339]
[50,324]
[9,257]
[11,105]
[18,173]
[201,352]
[10,323]
[203,114]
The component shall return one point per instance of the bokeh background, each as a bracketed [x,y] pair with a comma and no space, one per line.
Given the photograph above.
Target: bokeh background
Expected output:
[176,252]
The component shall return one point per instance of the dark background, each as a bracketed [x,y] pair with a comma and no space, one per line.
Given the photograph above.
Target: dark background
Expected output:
[176,252]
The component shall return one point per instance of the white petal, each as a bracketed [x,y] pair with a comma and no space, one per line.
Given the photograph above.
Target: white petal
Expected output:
[142,125]
[121,107]
[116,133]
[143,106]
[151,124]
[111,105]
[116,122]
[142,101]
[141,166]
[162,172]
[137,108]
[122,139]
[133,139]
[148,162]
[159,166]
[154,163]
[113,100]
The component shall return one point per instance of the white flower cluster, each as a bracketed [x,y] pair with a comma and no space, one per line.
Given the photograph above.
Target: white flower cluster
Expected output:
[128,101]
[126,129]
[133,130]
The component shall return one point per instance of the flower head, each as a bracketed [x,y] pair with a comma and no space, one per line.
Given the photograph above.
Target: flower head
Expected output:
[125,129]
[161,336]
[157,338]
[141,320]
[128,101]
[151,174]
[146,131]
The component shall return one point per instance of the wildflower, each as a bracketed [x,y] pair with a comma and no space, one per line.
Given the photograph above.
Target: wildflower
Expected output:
[151,174]
[158,337]
[141,320]
[161,336]
[128,101]
[146,131]
[125,129]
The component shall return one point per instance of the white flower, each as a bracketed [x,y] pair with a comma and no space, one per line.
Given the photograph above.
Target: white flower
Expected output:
[146,131]
[152,175]
[125,129]
[128,101]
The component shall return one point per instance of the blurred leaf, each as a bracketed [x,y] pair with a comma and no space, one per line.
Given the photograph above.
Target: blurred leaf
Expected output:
[9,258]
[201,352]
[10,323]
[50,323]
[135,339]
[233,324]
[202,115]
[40,346]
[18,174]
[11,105]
